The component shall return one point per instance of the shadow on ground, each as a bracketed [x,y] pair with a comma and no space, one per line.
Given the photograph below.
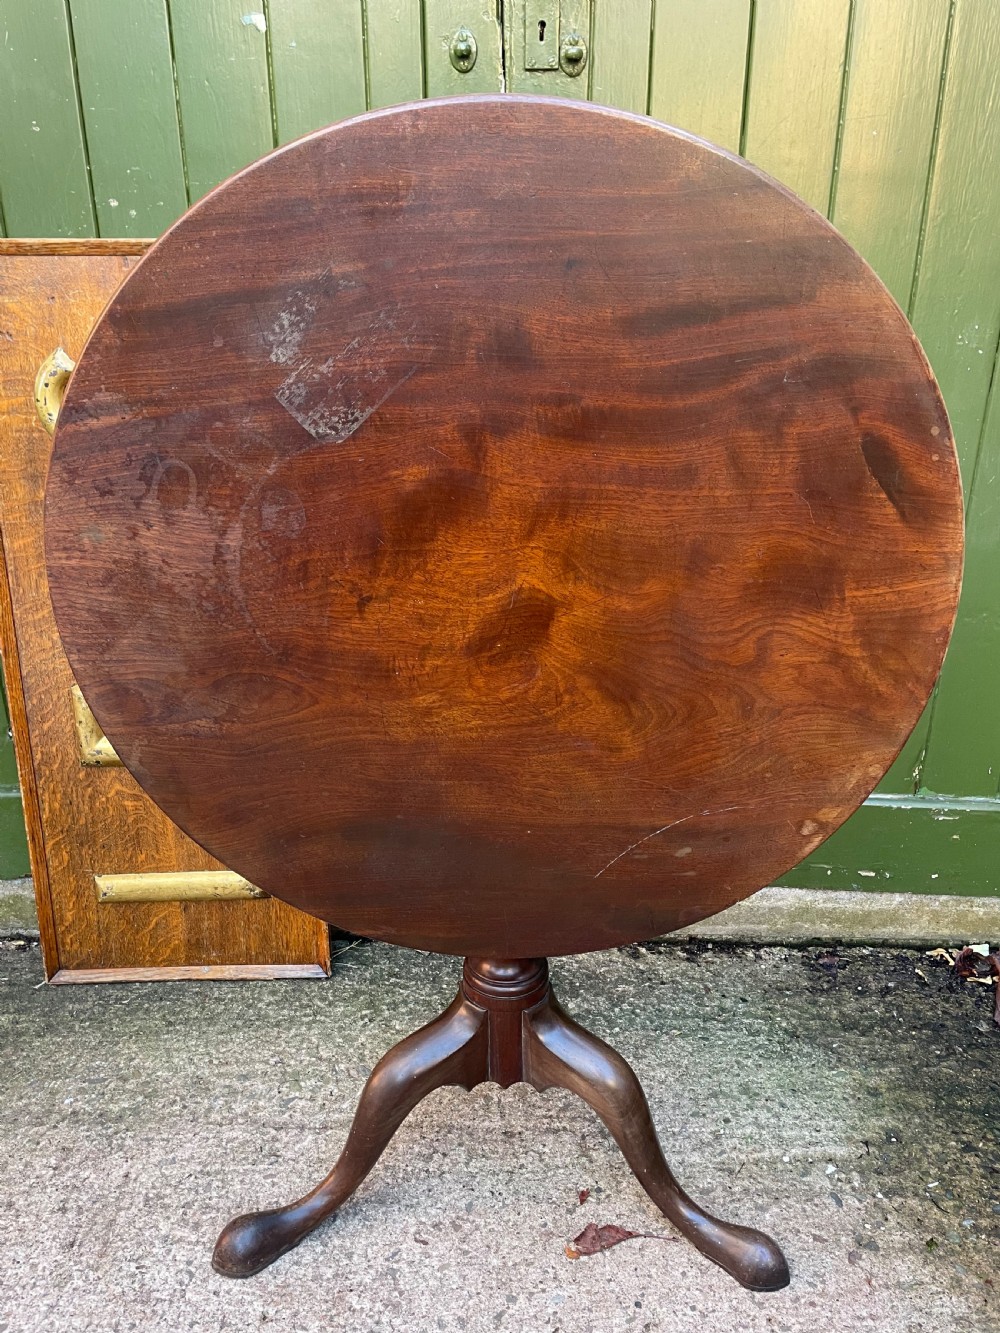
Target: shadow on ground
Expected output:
[846,1105]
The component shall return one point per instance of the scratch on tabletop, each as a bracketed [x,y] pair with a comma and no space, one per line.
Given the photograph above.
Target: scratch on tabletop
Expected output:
[698,814]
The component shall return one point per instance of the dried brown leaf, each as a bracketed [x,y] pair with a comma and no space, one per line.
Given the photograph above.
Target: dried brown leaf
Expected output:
[967,963]
[593,1239]
[583,1196]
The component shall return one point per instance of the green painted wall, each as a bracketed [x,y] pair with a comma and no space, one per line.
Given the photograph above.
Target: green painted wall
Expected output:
[13,844]
[883,114]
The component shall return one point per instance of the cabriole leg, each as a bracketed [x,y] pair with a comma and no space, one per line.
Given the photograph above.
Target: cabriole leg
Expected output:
[558,1053]
[452,1049]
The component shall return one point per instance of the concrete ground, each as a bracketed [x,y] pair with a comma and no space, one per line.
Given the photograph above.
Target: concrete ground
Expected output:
[847,1105]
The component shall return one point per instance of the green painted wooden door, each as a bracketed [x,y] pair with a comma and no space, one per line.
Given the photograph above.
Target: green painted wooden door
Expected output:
[883,114]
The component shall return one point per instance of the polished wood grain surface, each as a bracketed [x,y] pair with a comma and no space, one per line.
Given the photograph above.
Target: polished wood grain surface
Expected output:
[516,527]
[87,821]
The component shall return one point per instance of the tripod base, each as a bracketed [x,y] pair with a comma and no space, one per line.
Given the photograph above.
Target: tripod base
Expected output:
[504,1026]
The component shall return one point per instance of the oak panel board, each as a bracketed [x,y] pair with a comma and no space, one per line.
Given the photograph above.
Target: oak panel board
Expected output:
[83,821]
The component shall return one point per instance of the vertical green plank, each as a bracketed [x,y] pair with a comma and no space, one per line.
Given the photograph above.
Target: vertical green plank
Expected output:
[220,58]
[43,165]
[318,63]
[394,50]
[13,842]
[130,114]
[956,307]
[13,838]
[963,752]
[958,316]
[8,766]
[699,66]
[442,19]
[893,82]
[893,86]
[619,66]
[793,102]
[956,312]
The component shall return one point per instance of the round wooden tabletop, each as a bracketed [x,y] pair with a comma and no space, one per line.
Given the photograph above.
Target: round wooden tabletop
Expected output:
[504,526]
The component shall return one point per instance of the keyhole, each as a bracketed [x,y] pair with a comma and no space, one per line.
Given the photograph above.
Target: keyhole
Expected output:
[541,30]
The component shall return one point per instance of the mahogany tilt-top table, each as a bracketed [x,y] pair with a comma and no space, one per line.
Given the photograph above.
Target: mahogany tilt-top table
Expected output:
[505,527]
